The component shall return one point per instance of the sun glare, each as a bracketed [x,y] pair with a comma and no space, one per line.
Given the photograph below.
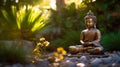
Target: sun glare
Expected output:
[36,9]
[16,1]
[93,0]
[53,4]
[71,1]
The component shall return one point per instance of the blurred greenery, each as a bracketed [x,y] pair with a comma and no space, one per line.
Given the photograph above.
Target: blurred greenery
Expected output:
[111,41]
[13,53]
[23,23]
[65,23]
[71,37]
[70,17]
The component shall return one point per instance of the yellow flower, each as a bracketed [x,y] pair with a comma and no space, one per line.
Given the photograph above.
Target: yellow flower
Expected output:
[42,39]
[59,49]
[61,57]
[35,50]
[46,43]
[55,54]
[64,52]
[39,44]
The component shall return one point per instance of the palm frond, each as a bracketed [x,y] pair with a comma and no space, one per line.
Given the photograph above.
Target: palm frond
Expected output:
[28,20]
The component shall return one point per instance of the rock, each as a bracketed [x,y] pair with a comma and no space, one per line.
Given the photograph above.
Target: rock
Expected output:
[118,52]
[83,59]
[29,65]
[115,65]
[28,45]
[74,59]
[81,65]
[67,64]
[103,65]
[42,63]
[107,60]
[17,65]
[7,66]
[115,58]
[96,62]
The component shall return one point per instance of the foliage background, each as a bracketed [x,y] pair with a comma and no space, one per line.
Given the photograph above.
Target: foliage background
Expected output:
[66,23]
[70,18]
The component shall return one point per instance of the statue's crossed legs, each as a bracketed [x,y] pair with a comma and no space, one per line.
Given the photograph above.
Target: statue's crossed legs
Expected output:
[81,49]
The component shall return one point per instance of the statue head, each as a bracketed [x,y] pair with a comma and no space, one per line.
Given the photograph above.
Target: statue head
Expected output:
[90,19]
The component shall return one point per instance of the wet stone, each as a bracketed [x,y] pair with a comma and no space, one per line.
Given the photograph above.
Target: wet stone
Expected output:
[96,62]
[42,63]
[83,59]
[107,60]
[67,64]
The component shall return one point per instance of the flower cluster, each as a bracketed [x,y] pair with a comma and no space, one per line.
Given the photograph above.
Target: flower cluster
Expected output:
[40,49]
[42,42]
[59,54]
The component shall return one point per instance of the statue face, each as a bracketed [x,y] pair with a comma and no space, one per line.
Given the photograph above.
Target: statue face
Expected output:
[89,23]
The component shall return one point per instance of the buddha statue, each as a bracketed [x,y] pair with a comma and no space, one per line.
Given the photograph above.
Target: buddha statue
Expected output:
[89,38]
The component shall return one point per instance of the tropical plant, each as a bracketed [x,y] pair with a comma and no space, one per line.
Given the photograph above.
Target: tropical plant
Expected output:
[24,23]
[32,20]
